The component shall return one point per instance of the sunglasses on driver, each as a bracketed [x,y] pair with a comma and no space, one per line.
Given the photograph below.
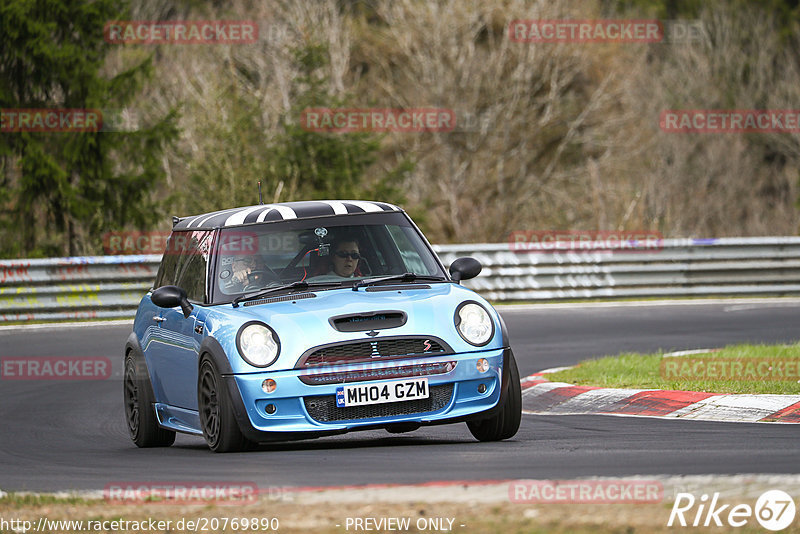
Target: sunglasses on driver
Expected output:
[342,254]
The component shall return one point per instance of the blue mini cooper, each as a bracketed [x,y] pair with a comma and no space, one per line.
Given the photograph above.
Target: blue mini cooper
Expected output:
[305,319]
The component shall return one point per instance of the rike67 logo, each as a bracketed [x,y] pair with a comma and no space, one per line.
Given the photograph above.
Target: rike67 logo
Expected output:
[774,510]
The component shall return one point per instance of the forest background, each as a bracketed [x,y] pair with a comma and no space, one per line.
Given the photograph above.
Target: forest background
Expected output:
[549,136]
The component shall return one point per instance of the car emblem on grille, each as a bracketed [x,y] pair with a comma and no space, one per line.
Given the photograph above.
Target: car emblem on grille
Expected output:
[426,345]
[372,333]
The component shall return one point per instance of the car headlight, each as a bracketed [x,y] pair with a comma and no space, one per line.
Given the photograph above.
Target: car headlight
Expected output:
[474,323]
[258,344]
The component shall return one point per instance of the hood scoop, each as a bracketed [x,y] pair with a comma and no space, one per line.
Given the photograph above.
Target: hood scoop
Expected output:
[363,322]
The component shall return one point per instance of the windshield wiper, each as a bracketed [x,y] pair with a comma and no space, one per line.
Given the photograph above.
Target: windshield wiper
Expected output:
[300,284]
[405,277]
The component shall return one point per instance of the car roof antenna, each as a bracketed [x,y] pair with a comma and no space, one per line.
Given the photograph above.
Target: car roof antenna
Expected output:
[259,193]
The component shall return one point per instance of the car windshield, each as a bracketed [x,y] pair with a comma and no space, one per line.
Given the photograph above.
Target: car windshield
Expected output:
[326,252]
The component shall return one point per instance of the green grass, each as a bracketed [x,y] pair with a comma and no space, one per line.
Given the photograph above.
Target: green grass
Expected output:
[34,500]
[632,370]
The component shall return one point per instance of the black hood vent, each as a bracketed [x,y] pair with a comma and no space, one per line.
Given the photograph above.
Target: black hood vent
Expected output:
[284,298]
[363,322]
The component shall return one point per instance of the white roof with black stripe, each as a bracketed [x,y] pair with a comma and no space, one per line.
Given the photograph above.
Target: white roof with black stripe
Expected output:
[281,211]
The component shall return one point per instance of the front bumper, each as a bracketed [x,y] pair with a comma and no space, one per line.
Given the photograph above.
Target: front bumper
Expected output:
[300,410]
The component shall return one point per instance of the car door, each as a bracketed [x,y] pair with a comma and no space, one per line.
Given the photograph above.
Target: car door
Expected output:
[172,352]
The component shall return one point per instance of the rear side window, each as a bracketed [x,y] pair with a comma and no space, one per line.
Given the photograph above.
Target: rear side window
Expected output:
[185,263]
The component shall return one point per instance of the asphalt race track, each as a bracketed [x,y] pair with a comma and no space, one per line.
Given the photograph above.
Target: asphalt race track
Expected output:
[59,435]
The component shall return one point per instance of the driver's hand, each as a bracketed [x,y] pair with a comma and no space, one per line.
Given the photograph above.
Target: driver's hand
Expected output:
[240,271]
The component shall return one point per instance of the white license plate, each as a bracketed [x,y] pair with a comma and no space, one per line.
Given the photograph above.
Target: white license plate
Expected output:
[380,392]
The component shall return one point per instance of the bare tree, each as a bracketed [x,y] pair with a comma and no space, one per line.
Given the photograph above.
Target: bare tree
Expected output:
[722,184]
[548,135]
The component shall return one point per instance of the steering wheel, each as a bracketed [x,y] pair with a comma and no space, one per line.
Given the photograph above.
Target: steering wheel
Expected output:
[257,277]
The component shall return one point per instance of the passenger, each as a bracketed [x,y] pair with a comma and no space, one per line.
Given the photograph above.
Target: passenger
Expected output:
[345,257]
[344,260]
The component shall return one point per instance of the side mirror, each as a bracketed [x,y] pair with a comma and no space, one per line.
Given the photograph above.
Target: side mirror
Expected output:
[464,269]
[171,296]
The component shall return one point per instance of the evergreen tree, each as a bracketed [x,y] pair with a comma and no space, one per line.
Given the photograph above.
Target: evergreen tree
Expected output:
[60,190]
[292,163]
[322,165]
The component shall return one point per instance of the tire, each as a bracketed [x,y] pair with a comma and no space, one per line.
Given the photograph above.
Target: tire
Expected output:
[139,412]
[217,419]
[505,423]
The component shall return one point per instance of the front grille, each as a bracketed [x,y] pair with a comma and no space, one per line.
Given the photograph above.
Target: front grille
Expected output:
[364,351]
[324,409]
[314,377]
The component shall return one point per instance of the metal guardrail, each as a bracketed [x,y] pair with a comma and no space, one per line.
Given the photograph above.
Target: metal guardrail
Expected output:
[680,267]
[112,286]
[90,287]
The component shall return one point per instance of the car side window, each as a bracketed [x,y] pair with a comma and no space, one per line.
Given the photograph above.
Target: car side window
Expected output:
[185,263]
[168,267]
[411,257]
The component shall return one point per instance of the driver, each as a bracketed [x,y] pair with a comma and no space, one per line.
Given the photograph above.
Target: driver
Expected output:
[242,266]
[245,274]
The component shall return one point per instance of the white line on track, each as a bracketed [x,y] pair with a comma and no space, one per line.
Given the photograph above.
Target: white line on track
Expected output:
[735,304]
[51,326]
